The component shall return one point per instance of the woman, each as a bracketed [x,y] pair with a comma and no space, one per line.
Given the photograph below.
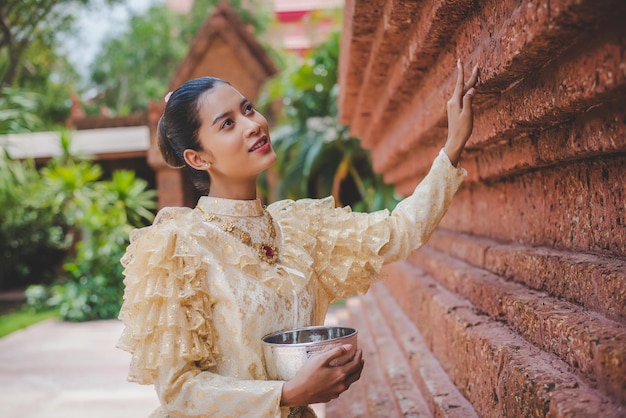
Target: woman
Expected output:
[204,285]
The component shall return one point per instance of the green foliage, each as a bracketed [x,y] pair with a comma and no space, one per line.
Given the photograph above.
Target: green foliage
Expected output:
[102,213]
[30,58]
[29,33]
[135,66]
[18,111]
[32,233]
[106,214]
[155,43]
[317,156]
[67,205]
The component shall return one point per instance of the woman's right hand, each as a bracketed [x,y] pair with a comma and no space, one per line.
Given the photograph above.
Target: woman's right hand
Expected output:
[319,382]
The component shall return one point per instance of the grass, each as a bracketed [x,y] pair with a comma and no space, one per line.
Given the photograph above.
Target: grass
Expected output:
[23,318]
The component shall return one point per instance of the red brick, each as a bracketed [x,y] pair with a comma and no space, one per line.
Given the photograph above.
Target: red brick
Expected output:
[543,205]
[426,110]
[597,132]
[499,372]
[379,396]
[436,25]
[561,90]
[580,338]
[567,86]
[397,65]
[360,22]
[406,392]
[577,206]
[444,398]
[391,34]
[597,283]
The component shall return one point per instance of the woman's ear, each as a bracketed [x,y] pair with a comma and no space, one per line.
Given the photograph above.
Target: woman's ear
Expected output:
[196,160]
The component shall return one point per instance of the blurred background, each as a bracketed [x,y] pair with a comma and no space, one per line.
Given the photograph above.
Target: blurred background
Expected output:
[82,87]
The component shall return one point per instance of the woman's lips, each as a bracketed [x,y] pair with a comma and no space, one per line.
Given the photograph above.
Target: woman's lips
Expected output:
[261,145]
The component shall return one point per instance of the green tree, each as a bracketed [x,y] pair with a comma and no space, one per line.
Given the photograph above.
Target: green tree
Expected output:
[104,213]
[135,66]
[66,228]
[317,156]
[251,12]
[26,24]
[30,57]
[18,111]
[32,233]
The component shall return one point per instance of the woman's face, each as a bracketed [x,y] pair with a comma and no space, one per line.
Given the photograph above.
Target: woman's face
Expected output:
[234,136]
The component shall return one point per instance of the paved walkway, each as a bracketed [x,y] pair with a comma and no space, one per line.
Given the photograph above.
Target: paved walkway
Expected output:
[57,369]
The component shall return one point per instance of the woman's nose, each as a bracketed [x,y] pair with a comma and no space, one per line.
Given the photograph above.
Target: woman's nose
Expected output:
[252,127]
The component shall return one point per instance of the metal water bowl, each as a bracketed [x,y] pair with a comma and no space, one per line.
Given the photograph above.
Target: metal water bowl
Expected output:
[286,351]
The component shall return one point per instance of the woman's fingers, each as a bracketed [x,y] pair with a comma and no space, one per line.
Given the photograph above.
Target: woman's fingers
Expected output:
[461,89]
[472,81]
[458,89]
[467,102]
[336,353]
[354,373]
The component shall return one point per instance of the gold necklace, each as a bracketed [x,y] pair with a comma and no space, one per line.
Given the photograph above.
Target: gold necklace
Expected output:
[266,252]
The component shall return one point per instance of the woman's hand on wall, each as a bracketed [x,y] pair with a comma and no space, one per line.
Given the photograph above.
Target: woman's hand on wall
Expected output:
[460,114]
[319,382]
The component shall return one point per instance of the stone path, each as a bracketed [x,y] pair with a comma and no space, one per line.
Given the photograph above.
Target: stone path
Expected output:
[57,369]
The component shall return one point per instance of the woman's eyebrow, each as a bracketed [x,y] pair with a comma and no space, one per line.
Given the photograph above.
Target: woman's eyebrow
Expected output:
[220,116]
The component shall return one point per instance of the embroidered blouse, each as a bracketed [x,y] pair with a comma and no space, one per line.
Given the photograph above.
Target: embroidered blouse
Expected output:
[197,300]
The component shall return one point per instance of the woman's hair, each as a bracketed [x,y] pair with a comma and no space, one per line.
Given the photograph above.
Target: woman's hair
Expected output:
[179,125]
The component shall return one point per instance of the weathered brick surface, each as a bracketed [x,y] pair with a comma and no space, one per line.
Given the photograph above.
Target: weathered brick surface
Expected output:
[429,30]
[579,207]
[360,22]
[406,392]
[443,397]
[535,240]
[596,283]
[510,39]
[599,131]
[586,341]
[499,372]
[391,33]
[556,95]
[401,377]
[377,396]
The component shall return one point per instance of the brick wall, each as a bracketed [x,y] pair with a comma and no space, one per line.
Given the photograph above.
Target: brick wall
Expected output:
[520,296]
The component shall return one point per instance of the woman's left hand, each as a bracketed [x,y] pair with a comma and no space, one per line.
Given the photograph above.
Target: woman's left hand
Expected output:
[460,114]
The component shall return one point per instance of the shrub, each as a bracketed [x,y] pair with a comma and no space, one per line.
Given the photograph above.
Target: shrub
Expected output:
[65,228]
[106,213]
[33,238]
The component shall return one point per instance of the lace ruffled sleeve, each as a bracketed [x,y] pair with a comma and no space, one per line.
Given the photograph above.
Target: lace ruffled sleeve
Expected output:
[166,308]
[350,248]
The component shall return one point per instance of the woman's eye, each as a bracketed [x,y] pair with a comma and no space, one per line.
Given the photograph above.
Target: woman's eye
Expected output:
[228,123]
[249,108]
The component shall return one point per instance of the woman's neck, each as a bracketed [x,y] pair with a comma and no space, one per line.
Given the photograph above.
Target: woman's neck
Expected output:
[235,191]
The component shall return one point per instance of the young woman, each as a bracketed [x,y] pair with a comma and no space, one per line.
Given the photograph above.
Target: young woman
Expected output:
[204,285]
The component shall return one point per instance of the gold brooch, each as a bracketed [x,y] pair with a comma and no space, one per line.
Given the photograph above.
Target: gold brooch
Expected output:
[266,252]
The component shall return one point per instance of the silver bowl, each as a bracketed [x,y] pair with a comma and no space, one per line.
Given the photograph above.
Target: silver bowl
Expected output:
[286,351]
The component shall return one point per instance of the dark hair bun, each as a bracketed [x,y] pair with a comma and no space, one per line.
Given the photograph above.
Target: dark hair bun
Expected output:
[164,145]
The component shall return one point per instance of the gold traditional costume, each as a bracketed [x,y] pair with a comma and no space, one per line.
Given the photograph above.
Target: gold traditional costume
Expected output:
[199,297]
